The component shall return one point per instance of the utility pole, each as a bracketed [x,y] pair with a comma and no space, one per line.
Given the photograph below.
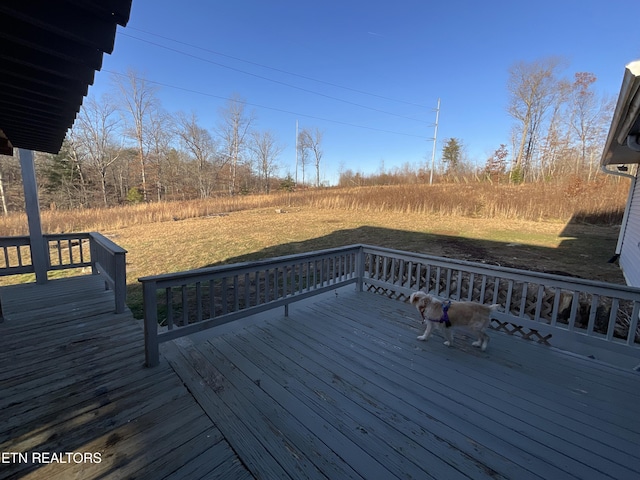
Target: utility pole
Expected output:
[435,137]
[296,153]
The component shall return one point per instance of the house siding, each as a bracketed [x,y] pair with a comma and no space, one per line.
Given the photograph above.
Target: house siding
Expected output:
[630,249]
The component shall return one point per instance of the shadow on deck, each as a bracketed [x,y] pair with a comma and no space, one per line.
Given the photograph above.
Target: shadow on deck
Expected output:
[72,381]
[340,388]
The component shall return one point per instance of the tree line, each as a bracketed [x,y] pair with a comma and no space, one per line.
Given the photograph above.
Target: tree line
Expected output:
[124,147]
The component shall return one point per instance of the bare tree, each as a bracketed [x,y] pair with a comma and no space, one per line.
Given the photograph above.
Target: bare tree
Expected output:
[556,142]
[310,144]
[201,146]
[266,150]
[303,152]
[587,118]
[532,90]
[158,139]
[94,134]
[138,99]
[233,130]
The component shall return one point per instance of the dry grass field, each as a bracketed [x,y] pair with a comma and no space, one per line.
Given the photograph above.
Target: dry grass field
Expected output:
[567,229]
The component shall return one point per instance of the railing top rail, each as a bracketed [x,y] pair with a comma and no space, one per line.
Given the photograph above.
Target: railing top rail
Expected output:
[106,243]
[66,236]
[17,241]
[506,272]
[209,272]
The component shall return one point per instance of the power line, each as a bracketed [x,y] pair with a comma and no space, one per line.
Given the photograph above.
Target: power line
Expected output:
[214,52]
[272,80]
[339,122]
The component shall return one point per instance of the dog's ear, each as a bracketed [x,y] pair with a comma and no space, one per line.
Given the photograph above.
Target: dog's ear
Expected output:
[413,299]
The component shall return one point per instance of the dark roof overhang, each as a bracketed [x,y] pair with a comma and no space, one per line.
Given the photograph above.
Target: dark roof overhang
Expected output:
[49,53]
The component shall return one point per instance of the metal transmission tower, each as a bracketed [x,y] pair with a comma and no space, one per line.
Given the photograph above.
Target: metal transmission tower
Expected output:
[435,137]
[296,153]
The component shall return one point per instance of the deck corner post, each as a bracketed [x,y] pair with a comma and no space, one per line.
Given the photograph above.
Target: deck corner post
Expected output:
[151,348]
[93,253]
[39,247]
[359,268]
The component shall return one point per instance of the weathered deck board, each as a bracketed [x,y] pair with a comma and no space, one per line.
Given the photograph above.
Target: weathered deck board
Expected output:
[72,380]
[342,387]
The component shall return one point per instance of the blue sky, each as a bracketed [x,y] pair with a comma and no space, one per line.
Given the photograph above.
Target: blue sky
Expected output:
[367,73]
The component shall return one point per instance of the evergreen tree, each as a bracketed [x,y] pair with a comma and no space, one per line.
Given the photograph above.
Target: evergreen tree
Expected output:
[452,154]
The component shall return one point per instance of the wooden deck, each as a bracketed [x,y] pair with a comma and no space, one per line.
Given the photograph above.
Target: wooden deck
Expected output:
[72,380]
[342,389]
[339,389]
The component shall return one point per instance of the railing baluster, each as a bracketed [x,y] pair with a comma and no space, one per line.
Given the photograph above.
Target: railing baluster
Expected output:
[507,303]
[523,299]
[574,308]
[59,252]
[169,300]
[236,294]
[212,299]
[556,306]
[247,285]
[447,292]
[185,305]
[81,251]
[198,302]
[483,288]
[70,247]
[225,296]
[633,324]
[539,302]
[592,314]
[496,291]
[613,317]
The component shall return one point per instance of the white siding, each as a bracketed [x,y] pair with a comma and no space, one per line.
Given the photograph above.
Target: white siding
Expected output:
[630,250]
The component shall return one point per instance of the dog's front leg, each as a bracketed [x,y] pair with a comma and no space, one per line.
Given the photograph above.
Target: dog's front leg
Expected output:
[448,336]
[427,333]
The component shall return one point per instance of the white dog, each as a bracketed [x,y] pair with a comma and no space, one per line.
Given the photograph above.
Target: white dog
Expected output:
[470,316]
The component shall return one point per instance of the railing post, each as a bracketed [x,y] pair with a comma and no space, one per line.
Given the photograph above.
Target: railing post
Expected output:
[359,269]
[150,306]
[120,281]
[93,253]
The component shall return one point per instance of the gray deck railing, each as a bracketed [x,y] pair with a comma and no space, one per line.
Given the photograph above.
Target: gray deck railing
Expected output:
[73,250]
[179,304]
[570,313]
[546,308]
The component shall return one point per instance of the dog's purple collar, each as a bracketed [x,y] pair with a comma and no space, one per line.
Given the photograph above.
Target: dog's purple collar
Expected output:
[445,316]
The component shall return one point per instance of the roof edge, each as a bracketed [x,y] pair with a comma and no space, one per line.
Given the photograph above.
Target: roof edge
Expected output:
[626,120]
